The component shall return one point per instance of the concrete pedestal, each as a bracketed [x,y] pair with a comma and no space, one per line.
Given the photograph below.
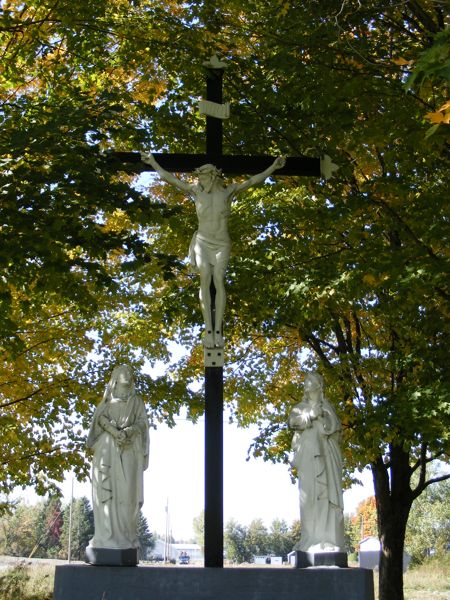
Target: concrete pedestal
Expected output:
[320,559]
[84,582]
[112,557]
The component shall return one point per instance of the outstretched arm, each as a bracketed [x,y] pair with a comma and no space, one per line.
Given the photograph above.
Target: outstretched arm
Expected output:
[149,159]
[278,163]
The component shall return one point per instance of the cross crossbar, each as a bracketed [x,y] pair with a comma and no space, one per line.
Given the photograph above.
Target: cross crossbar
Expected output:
[230,164]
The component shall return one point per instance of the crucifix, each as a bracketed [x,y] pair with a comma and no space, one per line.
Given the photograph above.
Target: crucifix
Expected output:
[209,251]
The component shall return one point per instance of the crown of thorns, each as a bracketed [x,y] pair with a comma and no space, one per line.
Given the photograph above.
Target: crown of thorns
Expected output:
[209,169]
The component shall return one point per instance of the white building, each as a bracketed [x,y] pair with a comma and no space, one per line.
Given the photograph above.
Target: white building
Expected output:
[369,554]
[268,560]
[172,552]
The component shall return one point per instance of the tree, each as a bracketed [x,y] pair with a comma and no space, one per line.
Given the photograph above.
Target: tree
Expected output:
[146,540]
[82,529]
[76,225]
[434,64]
[235,543]
[48,530]
[296,531]
[364,523]
[350,545]
[198,525]
[257,539]
[243,543]
[428,530]
[282,539]
[19,529]
[32,530]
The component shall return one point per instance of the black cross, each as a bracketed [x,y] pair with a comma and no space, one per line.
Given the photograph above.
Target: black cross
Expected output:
[235,165]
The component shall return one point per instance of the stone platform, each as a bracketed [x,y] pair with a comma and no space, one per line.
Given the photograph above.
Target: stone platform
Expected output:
[112,557]
[320,559]
[87,582]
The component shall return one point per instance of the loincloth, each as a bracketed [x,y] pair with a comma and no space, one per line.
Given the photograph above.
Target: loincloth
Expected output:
[207,250]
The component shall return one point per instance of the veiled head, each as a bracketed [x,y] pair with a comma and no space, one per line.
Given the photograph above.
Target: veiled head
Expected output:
[313,382]
[122,375]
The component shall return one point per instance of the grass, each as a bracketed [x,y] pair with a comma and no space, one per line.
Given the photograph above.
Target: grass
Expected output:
[429,581]
[22,581]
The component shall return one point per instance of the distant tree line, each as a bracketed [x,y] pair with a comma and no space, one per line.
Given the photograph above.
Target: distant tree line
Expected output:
[428,531]
[42,530]
[242,543]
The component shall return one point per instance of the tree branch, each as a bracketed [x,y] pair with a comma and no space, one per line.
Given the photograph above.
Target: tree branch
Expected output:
[338,332]
[358,333]
[23,399]
[348,334]
[427,459]
[315,345]
[422,16]
[43,388]
[391,211]
[419,489]
[28,456]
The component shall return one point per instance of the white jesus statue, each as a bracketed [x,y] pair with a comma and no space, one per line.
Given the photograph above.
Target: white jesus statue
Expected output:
[210,246]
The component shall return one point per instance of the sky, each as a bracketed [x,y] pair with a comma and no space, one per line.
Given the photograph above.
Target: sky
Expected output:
[252,489]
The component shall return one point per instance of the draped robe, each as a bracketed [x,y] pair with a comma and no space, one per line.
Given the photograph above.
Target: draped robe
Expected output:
[318,461]
[117,472]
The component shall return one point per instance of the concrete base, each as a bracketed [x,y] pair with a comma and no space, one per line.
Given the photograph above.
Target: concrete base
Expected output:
[83,582]
[320,559]
[112,557]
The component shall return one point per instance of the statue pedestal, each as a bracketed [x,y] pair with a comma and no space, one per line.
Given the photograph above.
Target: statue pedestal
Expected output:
[84,582]
[320,559]
[112,557]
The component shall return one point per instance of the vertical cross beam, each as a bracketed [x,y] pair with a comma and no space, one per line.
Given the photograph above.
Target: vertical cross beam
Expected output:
[214,376]
[214,79]
[214,467]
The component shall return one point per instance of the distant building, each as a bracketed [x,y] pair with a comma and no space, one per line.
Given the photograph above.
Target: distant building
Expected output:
[369,554]
[268,560]
[173,552]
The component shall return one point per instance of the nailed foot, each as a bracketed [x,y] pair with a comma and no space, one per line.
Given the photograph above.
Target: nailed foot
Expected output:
[218,340]
[208,339]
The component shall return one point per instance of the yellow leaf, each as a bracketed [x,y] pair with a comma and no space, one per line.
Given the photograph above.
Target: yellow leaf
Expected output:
[435,117]
[369,279]
[401,62]
[442,115]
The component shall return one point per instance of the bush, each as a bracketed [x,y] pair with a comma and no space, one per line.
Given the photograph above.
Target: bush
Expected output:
[13,582]
[24,582]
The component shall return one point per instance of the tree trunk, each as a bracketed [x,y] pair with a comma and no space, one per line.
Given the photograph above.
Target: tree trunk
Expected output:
[394,498]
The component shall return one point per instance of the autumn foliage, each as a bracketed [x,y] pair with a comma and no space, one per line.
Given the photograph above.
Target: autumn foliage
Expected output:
[349,276]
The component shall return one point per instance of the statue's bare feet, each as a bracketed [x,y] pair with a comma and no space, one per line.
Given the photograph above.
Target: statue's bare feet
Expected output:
[208,339]
[218,340]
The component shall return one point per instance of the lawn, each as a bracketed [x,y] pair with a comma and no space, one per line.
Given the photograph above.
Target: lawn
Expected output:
[430,581]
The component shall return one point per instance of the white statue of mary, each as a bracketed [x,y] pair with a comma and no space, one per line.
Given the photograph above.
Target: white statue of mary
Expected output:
[317,458]
[119,439]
